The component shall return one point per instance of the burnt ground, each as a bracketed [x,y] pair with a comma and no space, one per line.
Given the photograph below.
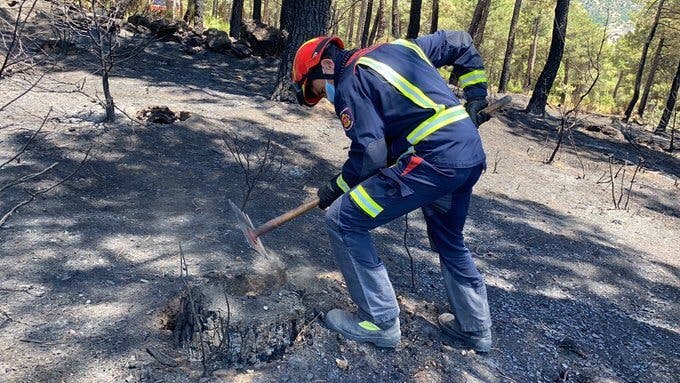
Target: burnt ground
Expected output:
[579,291]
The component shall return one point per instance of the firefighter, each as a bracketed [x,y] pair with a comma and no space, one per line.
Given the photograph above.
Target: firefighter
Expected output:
[413,145]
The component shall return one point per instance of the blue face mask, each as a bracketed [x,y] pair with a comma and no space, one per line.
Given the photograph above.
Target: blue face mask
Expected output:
[330,92]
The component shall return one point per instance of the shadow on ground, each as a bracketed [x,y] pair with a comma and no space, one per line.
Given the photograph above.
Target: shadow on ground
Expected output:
[104,250]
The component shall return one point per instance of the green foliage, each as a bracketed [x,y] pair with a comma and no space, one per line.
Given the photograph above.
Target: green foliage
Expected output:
[216,22]
[628,28]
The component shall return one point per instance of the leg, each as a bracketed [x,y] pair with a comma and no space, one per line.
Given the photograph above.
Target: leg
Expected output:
[363,270]
[464,284]
[383,197]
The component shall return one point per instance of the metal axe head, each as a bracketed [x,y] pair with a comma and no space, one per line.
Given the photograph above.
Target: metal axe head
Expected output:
[248,230]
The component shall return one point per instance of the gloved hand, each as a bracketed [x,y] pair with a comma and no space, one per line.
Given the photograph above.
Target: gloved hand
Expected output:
[328,193]
[473,107]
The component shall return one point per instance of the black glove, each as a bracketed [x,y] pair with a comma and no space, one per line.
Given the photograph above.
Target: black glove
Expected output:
[328,193]
[473,107]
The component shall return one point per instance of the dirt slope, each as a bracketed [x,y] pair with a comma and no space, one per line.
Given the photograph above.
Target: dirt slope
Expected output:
[579,291]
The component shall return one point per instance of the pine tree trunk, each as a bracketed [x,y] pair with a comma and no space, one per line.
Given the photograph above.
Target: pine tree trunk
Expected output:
[414,19]
[213,12]
[257,10]
[528,80]
[198,18]
[367,24]
[650,78]
[616,87]
[396,20]
[505,73]
[362,21]
[110,106]
[434,26]
[265,12]
[335,14]
[478,23]
[350,25]
[190,12]
[310,19]
[236,20]
[641,66]
[545,81]
[378,30]
[287,14]
[670,102]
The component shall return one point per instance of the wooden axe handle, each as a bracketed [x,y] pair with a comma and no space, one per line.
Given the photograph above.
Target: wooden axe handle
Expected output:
[285,217]
[494,106]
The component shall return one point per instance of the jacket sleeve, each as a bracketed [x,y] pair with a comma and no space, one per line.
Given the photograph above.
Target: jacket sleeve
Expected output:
[364,126]
[456,48]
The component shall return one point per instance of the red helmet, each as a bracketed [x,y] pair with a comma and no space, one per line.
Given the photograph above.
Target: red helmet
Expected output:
[307,58]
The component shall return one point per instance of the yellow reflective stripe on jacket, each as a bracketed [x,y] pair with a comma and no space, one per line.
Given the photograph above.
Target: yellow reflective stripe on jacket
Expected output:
[413,46]
[405,87]
[436,122]
[474,77]
[342,184]
[365,202]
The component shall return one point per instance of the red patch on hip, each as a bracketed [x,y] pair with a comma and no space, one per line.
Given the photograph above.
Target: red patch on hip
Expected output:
[415,161]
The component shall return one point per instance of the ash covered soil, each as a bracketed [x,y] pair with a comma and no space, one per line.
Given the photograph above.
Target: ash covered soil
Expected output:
[90,272]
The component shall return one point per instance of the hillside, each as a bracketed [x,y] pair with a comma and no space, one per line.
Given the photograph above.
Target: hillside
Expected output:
[90,279]
[619,11]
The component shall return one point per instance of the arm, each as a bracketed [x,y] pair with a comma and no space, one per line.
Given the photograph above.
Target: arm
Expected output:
[364,126]
[456,48]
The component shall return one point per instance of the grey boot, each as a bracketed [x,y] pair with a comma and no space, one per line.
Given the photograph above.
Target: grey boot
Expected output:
[469,304]
[477,340]
[352,327]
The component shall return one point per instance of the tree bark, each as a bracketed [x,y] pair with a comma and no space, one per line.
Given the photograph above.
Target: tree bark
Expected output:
[287,14]
[257,10]
[528,80]
[650,78]
[190,12]
[367,23]
[350,25]
[641,65]
[414,19]
[236,20]
[213,12]
[547,77]
[194,14]
[396,20]
[335,18]
[378,30]
[616,87]
[198,19]
[434,26]
[110,106]
[670,102]
[505,73]
[478,23]
[361,21]
[310,19]
[265,12]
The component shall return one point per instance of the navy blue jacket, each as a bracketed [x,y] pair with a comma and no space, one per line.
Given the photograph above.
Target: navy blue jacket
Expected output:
[377,117]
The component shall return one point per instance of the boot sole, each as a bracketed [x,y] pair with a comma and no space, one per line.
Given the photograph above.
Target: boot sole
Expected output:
[484,347]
